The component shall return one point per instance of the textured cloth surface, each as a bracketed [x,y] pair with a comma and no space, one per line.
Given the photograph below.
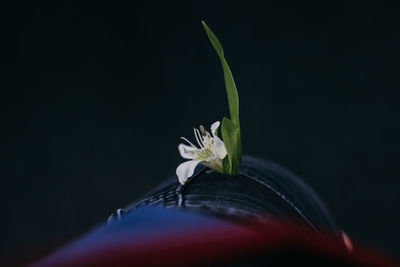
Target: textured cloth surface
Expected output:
[263,190]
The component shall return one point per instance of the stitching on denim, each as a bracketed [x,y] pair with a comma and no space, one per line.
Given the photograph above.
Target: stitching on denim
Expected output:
[226,211]
[192,198]
[269,165]
[181,188]
[153,199]
[257,179]
[217,207]
[178,192]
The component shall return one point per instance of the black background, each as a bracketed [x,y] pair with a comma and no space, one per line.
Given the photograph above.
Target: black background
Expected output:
[95,96]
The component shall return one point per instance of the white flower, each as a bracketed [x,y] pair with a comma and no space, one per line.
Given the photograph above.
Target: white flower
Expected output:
[211,152]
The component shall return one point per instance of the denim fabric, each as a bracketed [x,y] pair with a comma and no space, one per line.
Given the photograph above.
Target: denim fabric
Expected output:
[263,190]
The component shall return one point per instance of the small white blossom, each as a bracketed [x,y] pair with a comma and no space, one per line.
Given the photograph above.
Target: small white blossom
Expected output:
[211,152]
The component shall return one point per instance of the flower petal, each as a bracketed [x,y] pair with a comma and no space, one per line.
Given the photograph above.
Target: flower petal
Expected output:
[186,169]
[214,127]
[219,148]
[185,150]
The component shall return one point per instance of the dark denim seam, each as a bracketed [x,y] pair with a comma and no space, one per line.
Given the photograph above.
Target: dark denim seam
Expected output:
[157,197]
[222,210]
[178,190]
[153,199]
[192,199]
[254,177]
[278,187]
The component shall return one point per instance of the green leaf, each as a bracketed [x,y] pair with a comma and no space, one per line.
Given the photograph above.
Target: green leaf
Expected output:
[230,128]
[231,136]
